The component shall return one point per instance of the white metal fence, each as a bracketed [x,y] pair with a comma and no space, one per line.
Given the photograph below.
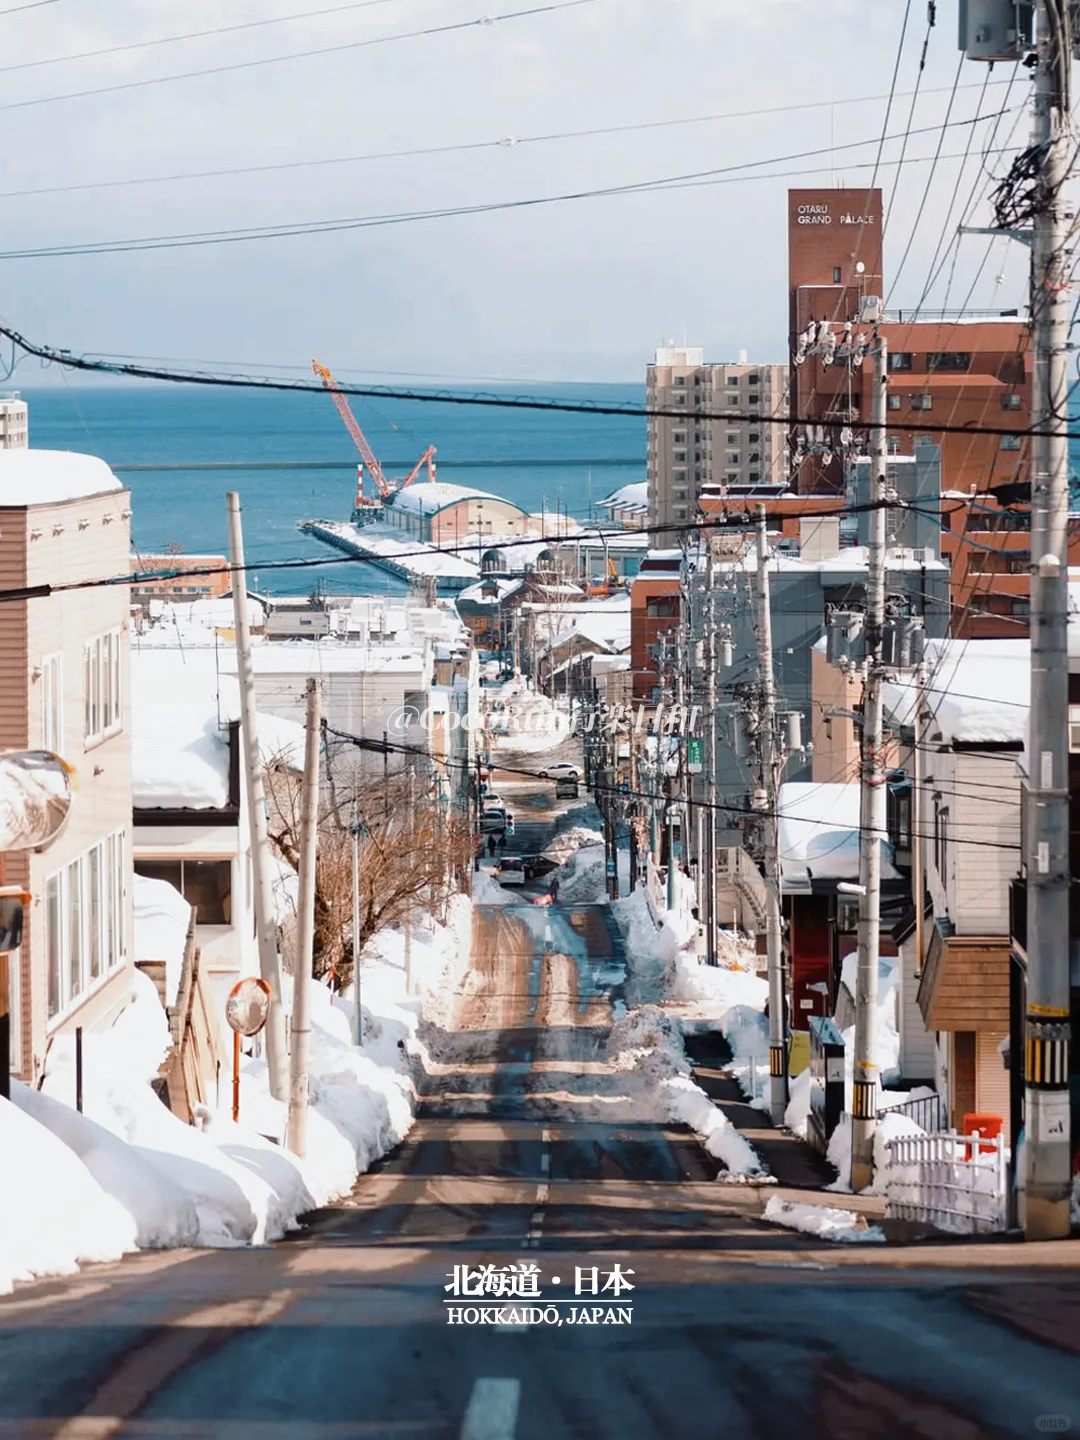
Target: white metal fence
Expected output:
[954,1182]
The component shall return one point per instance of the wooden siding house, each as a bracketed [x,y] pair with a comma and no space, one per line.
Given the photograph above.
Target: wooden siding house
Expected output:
[64,519]
[967,719]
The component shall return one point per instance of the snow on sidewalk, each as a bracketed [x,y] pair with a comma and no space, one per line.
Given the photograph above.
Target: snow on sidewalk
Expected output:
[648,1046]
[128,1174]
[823,1221]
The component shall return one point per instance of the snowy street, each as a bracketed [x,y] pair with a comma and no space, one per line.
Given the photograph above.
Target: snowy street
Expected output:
[543,1138]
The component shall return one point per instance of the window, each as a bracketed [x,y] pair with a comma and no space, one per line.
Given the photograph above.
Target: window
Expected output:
[753,477]
[893,402]
[1011,401]
[680,457]
[754,437]
[84,921]
[941,843]
[679,437]
[836,274]
[680,399]
[1010,442]
[679,494]
[732,439]
[205,884]
[922,402]
[680,512]
[1074,729]
[900,360]
[733,380]
[680,476]
[679,380]
[664,607]
[954,362]
[52,703]
[14,1011]
[754,399]
[101,686]
[1022,610]
[753,379]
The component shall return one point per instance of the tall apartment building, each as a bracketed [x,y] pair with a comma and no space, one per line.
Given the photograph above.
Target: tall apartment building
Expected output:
[687,454]
[14,422]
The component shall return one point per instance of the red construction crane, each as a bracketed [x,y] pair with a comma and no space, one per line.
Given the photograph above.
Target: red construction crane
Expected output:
[385,487]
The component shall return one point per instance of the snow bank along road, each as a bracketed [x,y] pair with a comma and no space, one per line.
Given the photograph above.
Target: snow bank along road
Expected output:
[530,1149]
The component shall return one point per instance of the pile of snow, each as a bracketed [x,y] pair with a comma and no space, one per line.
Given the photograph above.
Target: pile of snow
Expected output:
[823,1221]
[582,879]
[889,1127]
[57,1216]
[128,1173]
[162,917]
[486,890]
[648,1045]
[566,844]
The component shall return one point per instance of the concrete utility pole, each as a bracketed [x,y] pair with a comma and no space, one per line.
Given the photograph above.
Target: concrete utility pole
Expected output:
[300,1027]
[712,654]
[1046,1156]
[255,782]
[408,918]
[864,1097]
[770,770]
[354,831]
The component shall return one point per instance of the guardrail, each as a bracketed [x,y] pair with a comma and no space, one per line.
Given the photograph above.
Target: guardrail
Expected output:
[954,1182]
[928,1112]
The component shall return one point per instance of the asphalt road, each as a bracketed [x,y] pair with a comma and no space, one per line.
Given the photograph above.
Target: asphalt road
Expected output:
[732,1328]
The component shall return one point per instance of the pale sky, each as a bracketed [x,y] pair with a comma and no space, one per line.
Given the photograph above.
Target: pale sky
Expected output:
[577,291]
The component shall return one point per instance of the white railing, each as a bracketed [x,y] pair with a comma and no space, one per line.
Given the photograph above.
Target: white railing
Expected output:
[953,1182]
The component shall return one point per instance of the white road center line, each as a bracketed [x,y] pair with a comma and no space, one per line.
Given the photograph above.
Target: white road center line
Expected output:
[493,1410]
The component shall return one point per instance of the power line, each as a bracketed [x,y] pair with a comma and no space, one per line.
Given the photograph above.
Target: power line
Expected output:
[339,48]
[66,359]
[502,143]
[31,5]
[245,234]
[465,547]
[174,39]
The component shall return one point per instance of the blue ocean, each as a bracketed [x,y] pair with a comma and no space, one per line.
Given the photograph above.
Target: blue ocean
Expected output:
[539,459]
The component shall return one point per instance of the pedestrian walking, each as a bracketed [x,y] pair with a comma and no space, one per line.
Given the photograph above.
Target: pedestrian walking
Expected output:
[553,891]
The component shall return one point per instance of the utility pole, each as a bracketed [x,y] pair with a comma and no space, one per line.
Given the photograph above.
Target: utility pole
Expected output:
[1046,1154]
[255,784]
[778,1079]
[408,917]
[711,658]
[354,831]
[872,797]
[300,1027]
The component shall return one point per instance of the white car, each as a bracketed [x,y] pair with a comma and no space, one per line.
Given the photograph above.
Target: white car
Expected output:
[511,871]
[561,771]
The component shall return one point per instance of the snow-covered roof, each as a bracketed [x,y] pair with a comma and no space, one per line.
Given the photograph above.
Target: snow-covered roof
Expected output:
[611,630]
[818,833]
[976,691]
[431,497]
[474,594]
[47,477]
[180,712]
[634,496]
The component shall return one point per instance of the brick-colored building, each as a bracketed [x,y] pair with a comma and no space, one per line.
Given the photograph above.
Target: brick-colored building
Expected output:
[63,665]
[182,577]
[655,605]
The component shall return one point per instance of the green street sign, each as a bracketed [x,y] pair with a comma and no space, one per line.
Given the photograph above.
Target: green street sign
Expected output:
[695,752]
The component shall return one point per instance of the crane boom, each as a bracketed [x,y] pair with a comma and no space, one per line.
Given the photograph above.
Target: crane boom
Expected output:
[359,440]
[428,459]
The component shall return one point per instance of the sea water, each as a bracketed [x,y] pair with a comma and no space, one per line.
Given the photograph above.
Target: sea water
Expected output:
[539,459]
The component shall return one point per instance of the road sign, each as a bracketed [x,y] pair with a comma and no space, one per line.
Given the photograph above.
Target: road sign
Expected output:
[611,867]
[694,756]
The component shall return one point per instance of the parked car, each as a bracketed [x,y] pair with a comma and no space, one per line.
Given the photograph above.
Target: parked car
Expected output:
[490,799]
[561,770]
[511,871]
[566,788]
[493,820]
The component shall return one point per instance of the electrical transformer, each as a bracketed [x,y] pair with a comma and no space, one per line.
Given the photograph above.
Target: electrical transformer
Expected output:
[996,29]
